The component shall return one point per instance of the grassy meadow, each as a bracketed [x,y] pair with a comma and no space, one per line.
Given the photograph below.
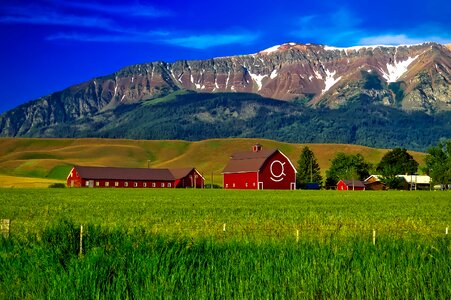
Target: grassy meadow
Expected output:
[53,158]
[151,243]
[210,244]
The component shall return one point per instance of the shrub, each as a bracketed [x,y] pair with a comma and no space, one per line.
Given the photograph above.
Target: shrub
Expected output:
[57,185]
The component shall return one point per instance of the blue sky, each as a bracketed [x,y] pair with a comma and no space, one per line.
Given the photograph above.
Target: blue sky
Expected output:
[47,45]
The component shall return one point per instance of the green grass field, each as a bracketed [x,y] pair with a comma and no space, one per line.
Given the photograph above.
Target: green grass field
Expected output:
[165,243]
[247,214]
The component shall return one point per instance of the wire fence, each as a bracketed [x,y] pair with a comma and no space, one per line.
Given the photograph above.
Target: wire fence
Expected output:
[297,232]
[267,232]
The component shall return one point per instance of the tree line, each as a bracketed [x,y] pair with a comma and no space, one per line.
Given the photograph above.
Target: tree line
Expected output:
[395,162]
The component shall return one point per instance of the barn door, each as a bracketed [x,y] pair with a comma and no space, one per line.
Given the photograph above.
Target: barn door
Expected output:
[260,185]
[72,183]
[91,183]
[293,186]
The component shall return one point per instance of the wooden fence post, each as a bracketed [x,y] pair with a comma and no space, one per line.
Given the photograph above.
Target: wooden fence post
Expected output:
[224,227]
[5,227]
[81,241]
[446,231]
[297,235]
[374,237]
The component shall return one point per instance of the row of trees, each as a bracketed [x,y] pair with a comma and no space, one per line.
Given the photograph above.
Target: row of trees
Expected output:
[343,166]
[395,162]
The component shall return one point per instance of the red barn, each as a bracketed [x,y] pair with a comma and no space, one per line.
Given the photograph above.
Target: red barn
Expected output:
[260,169]
[350,185]
[104,177]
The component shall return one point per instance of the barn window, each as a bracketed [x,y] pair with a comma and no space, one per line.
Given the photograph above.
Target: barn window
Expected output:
[246,184]
[153,184]
[169,184]
[126,184]
[97,183]
[135,184]
[87,183]
[107,183]
[145,184]
[233,185]
[162,184]
[227,185]
[253,184]
[116,183]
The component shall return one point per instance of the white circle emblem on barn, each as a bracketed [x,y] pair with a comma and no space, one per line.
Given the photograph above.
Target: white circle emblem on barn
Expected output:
[277,177]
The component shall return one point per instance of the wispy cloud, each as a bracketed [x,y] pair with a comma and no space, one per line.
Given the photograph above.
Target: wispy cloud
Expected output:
[162,37]
[108,26]
[344,28]
[137,10]
[330,28]
[137,37]
[212,40]
[40,16]
[96,15]
[401,39]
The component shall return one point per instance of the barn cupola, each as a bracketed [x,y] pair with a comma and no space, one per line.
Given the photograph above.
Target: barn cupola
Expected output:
[256,148]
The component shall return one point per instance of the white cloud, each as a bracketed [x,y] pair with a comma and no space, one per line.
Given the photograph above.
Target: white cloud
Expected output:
[158,37]
[211,40]
[401,39]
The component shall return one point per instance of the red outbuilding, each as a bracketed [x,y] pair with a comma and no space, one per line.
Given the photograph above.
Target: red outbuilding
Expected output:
[350,185]
[260,169]
[104,177]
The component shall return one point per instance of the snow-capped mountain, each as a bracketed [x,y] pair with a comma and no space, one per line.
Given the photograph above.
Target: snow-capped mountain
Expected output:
[408,77]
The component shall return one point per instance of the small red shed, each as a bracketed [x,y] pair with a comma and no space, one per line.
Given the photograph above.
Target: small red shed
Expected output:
[104,177]
[187,177]
[350,185]
[260,169]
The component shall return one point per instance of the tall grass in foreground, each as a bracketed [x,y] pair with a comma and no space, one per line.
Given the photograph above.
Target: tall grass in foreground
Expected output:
[136,264]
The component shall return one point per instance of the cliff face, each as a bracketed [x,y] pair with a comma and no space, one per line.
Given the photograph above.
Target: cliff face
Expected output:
[406,77]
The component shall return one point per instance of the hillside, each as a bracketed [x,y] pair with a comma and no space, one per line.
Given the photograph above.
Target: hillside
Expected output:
[53,158]
[379,96]
[187,115]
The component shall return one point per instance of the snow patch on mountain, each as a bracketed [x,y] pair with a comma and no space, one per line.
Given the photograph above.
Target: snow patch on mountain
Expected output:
[216,84]
[330,81]
[115,87]
[318,75]
[396,70]
[357,48]
[273,74]
[258,79]
[271,49]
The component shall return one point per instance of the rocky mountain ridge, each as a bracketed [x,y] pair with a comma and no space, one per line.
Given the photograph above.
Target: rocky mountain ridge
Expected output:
[412,78]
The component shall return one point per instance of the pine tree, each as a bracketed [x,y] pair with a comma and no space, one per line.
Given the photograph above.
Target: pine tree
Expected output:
[308,169]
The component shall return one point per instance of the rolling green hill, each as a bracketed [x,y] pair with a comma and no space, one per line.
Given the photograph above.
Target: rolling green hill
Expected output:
[53,158]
